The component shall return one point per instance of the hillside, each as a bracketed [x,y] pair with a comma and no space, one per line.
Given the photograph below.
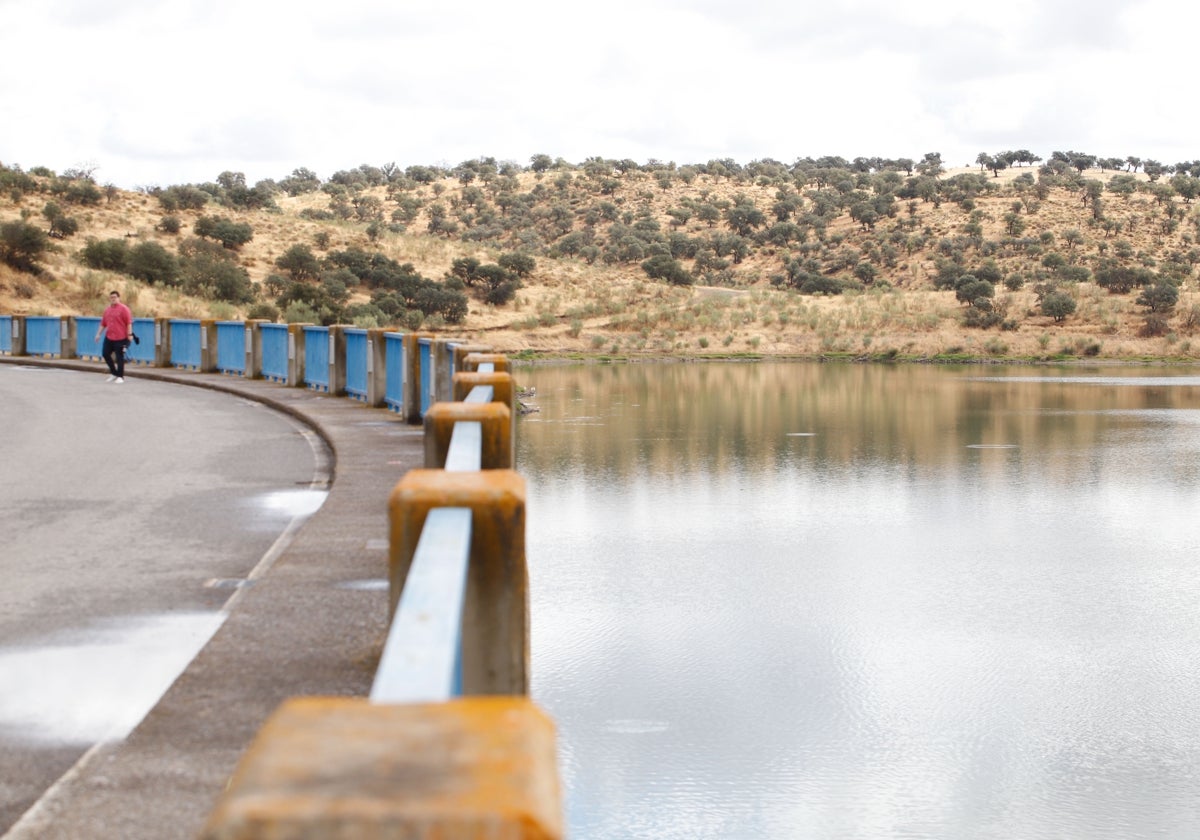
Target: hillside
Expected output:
[756,260]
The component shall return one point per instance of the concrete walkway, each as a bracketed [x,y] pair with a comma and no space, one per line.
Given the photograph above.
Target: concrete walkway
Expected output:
[312,624]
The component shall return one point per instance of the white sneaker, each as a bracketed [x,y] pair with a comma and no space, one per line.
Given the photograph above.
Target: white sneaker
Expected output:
[119,381]
[111,378]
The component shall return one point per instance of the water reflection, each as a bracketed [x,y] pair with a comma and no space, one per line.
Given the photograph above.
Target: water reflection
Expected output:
[862,601]
[97,684]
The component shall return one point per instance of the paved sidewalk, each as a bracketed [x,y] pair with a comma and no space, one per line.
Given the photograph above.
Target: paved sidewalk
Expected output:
[313,624]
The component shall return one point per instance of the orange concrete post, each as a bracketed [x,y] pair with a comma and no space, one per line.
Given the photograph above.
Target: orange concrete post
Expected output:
[495,628]
[330,767]
[503,389]
[461,351]
[496,421]
[472,361]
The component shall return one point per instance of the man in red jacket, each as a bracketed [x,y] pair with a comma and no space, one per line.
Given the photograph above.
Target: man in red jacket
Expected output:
[117,326]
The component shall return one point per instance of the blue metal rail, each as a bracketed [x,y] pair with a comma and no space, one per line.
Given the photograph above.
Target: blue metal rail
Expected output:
[422,658]
[6,334]
[277,350]
[358,364]
[316,358]
[145,351]
[87,346]
[231,347]
[425,351]
[186,349]
[44,335]
[393,354]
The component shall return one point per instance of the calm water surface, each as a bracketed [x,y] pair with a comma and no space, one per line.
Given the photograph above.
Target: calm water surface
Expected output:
[847,601]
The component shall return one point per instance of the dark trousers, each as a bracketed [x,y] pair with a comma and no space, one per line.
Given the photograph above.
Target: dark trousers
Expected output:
[114,356]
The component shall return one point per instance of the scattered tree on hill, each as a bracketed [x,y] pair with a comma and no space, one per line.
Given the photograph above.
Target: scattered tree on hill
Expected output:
[152,263]
[1058,305]
[23,246]
[229,233]
[1161,297]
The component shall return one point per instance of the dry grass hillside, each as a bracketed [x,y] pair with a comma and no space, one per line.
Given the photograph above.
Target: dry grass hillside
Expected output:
[589,293]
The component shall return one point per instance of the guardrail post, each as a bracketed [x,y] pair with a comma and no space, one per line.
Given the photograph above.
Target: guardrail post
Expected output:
[253,368]
[376,368]
[208,345]
[503,388]
[496,421]
[495,638]
[481,767]
[16,343]
[68,337]
[443,368]
[462,351]
[472,361]
[337,361]
[162,342]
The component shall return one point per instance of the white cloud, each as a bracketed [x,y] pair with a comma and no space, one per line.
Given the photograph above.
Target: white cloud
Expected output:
[180,91]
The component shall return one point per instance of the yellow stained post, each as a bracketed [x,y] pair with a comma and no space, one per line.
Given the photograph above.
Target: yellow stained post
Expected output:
[496,422]
[324,767]
[461,352]
[495,631]
[503,390]
[472,361]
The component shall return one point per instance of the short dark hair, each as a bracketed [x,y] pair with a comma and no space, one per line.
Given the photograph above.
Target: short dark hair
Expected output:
[114,292]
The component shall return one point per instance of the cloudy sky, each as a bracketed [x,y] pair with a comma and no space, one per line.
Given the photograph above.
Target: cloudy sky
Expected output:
[176,91]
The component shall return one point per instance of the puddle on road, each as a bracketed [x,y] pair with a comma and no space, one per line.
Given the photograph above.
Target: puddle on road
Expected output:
[100,684]
[293,503]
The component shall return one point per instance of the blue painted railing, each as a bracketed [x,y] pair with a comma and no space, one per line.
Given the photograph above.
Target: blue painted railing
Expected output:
[422,657]
[145,350]
[6,334]
[358,364]
[316,358]
[43,335]
[425,351]
[393,397]
[87,346]
[186,346]
[231,347]
[276,352]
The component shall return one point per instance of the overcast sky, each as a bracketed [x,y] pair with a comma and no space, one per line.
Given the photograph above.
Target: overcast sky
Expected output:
[177,91]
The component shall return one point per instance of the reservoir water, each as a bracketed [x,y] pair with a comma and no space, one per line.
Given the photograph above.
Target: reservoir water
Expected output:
[803,600]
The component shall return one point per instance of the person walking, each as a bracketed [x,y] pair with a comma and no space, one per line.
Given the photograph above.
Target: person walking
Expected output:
[117,326]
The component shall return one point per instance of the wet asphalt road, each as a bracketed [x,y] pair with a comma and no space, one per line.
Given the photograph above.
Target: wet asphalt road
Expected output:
[128,516]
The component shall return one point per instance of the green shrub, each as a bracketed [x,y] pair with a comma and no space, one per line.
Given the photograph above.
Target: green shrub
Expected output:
[106,255]
[23,246]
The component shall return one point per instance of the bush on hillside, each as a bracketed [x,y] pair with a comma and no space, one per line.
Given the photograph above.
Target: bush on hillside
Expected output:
[23,246]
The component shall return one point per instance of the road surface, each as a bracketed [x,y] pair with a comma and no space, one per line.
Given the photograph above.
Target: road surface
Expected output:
[129,515]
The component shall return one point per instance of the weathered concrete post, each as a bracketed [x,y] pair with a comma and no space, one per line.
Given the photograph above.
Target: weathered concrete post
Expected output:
[208,345]
[376,368]
[337,361]
[495,632]
[17,347]
[338,767]
[472,361]
[253,369]
[496,451]
[296,355]
[503,389]
[67,335]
